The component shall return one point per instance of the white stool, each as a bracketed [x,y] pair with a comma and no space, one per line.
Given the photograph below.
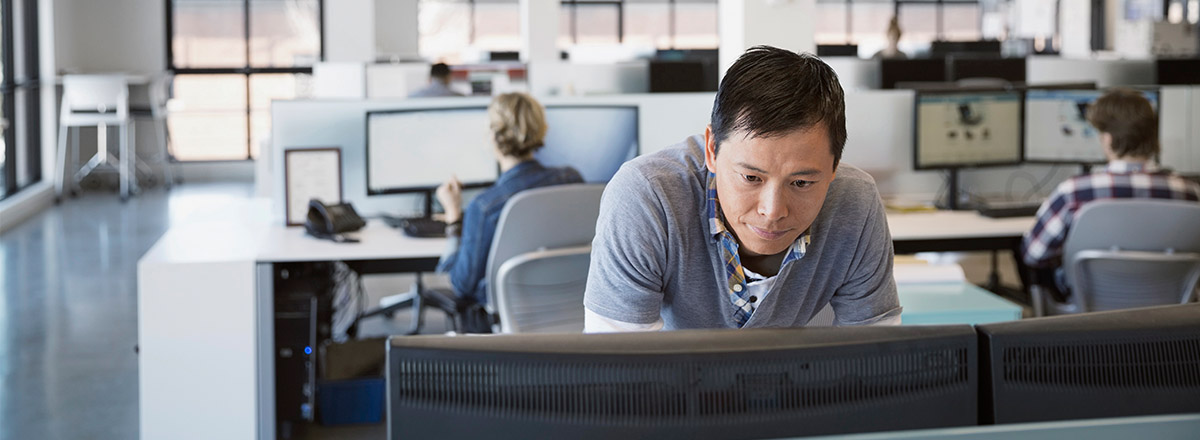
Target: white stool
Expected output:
[99,101]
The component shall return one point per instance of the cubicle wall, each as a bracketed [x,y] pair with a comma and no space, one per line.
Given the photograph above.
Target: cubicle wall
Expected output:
[663,120]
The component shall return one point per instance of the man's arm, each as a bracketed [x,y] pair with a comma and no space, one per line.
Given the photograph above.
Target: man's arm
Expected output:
[869,295]
[625,278]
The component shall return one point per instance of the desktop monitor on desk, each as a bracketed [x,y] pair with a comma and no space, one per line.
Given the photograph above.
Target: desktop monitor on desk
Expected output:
[1057,129]
[417,150]
[1092,365]
[594,139]
[967,128]
[699,384]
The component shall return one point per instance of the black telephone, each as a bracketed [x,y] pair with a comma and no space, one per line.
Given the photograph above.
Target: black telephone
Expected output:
[331,221]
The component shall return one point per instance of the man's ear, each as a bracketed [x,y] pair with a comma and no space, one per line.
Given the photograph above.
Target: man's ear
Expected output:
[710,149]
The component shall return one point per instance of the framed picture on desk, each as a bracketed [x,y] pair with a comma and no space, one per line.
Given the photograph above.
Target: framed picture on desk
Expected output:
[310,173]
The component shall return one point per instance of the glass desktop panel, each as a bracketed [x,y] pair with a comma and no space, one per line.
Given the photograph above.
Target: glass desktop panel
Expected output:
[968,129]
[1056,126]
[593,140]
[414,150]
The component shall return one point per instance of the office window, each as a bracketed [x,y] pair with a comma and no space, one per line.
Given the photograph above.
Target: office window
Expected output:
[231,58]
[869,23]
[497,25]
[444,29]
[831,23]
[462,31]
[696,24]
[865,22]
[597,23]
[647,24]
[20,96]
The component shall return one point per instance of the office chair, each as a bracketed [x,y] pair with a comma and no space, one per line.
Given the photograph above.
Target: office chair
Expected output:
[159,92]
[1129,253]
[100,101]
[537,266]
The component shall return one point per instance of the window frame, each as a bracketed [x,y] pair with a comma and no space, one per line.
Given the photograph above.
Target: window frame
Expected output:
[246,70]
[26,84]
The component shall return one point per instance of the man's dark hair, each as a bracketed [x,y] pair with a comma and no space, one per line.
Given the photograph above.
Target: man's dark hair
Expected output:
[771,92]
[1128,117]
[440,71]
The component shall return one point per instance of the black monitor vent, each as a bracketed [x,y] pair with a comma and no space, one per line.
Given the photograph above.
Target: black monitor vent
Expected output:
[1122,364]
[684,390]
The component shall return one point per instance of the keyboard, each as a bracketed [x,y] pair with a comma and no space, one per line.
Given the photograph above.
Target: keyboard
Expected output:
[1003,209]
[420,227]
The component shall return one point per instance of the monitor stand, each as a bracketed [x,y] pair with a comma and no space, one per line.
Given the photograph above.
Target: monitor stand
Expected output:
[951,201]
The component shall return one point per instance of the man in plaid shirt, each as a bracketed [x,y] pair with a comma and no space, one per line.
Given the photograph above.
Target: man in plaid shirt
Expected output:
[1129,135]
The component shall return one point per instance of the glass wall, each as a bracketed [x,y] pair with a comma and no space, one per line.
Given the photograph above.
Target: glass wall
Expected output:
[230,59]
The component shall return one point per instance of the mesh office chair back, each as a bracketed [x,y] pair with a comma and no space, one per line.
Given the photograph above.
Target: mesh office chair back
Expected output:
[541,219]
[1133,253]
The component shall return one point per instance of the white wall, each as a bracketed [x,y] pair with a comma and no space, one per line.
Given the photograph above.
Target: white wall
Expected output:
[110,35]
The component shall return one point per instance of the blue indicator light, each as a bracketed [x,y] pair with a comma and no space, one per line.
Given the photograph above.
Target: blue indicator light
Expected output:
[307,350]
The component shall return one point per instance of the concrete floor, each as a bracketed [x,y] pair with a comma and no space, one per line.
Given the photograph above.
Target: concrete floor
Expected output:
[68,311]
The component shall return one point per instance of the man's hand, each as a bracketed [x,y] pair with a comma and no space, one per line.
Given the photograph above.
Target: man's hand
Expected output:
[449,194]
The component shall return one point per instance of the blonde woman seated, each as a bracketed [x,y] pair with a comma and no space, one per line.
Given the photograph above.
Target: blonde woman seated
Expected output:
[518,125]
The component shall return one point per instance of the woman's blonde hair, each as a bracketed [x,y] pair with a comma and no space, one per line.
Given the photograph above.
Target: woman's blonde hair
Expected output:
[518,124]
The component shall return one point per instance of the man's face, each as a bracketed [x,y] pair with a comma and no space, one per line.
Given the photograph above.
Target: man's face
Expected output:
[771,189]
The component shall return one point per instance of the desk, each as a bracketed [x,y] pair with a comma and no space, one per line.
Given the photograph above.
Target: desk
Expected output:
[206,317]
[206,311]
[950,231]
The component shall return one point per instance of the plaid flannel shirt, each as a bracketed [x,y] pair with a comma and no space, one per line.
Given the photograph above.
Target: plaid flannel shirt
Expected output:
[1043,245]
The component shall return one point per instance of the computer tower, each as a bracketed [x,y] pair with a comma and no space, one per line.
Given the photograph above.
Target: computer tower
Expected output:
[303,311]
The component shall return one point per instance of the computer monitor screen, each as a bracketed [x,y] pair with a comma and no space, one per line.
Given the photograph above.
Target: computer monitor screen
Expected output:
[595,140]
[1106,364]
[892,72]
[697,384]
[1181,71]
[967,129]
[417,150]
[1056,126]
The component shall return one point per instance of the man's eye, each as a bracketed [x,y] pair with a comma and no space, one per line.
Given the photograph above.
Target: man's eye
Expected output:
[750,178]
[803,183]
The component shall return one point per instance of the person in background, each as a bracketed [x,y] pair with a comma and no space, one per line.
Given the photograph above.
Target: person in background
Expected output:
[892,51]
[752,225]
[518,125]
[1128,130]
[439,83]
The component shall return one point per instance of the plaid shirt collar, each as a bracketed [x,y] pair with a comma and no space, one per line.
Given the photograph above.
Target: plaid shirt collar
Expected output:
[738,291]
[1128,167]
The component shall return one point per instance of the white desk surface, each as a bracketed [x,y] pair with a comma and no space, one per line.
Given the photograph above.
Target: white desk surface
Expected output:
[940,225]
[378,241]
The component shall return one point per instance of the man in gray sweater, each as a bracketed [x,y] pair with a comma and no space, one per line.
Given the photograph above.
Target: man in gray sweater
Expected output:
[754,224]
